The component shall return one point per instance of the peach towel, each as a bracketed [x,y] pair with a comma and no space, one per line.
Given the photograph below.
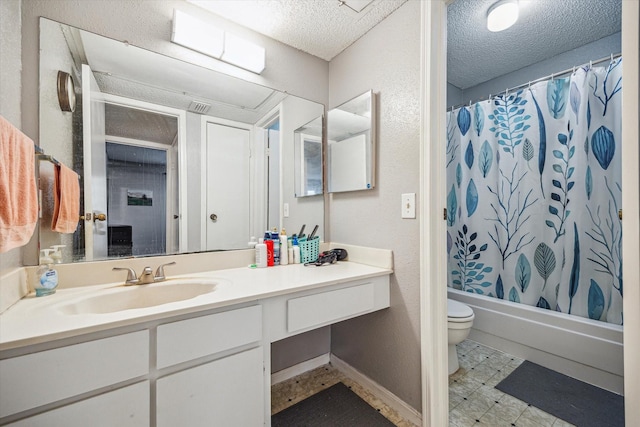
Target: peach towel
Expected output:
[66,196]
[18,191]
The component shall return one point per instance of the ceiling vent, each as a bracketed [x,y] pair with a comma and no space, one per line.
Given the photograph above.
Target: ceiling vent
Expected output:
[198,107]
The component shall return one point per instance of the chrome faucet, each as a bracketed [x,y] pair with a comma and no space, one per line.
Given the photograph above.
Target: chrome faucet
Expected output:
[146,276]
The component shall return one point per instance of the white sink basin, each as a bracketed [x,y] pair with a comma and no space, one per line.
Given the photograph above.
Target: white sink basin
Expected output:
[140,296]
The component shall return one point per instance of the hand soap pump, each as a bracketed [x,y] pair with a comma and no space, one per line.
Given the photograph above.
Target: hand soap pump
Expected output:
[46,280]
[56,255]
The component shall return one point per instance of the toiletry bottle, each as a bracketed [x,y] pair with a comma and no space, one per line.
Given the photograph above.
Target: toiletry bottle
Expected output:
[284,249]
[269,243]
[56,254]
[261,254]
[296,251]
[46,280]
[276,246]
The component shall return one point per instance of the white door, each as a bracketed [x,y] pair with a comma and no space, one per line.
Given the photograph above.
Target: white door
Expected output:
[95,167]
[228,190]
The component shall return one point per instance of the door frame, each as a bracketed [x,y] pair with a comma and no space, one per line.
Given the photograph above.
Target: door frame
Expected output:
[433,313]
[181,142]
[261,161]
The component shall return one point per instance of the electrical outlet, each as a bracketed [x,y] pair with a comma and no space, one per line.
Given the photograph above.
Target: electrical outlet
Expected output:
[285,210]
[409,205]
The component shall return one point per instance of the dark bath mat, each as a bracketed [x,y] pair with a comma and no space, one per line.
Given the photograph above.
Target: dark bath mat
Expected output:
[569,399]
[336,406]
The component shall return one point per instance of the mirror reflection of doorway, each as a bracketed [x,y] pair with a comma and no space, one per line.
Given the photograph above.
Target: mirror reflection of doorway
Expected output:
[137,200]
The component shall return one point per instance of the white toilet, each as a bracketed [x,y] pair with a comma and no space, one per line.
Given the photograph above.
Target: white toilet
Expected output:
[459,321]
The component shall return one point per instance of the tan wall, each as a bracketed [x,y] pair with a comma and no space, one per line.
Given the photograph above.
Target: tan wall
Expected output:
[386,345]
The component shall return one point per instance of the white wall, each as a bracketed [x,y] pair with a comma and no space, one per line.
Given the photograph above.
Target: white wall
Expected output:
[10,87]
[385,345]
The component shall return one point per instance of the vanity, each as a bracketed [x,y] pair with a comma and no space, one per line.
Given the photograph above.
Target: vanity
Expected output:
[67,360]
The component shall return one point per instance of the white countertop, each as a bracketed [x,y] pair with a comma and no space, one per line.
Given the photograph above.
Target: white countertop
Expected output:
[35,320]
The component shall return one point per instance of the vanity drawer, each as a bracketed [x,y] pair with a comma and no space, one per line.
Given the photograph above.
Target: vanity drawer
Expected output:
[329,307]
[39,378]
[189,339]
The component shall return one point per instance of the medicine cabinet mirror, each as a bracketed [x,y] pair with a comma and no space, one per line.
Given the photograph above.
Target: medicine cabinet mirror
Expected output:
[351,138]
[308,159]
[176,157]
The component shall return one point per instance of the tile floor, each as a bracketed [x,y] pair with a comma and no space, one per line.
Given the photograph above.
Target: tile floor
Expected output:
[473,400]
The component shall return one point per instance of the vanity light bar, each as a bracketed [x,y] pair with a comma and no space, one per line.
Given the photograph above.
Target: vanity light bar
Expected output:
[197,35]
[203,37]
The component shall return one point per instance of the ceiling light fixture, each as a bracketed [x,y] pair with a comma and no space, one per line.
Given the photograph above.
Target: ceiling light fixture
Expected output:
[197,35]
[203,37]
[502,15]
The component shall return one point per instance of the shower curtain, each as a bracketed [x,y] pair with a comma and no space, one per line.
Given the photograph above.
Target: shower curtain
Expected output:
[534,192]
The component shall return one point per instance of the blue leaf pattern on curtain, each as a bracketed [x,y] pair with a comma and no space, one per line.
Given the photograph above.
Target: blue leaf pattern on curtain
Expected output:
[499,288]
[603,145]
[485,159]
[472,198]
[550,236]
[574,96]
[556,97]
[468,155]
[478,115]
[595,301]
[542,150]
[464,120]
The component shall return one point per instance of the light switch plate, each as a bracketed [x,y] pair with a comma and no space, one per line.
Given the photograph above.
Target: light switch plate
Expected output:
[285,210]
[409,205]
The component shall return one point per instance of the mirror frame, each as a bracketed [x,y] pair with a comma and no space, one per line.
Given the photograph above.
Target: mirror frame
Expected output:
[349,122]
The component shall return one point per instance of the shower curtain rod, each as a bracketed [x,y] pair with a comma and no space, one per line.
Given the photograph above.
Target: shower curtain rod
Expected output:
[549,77]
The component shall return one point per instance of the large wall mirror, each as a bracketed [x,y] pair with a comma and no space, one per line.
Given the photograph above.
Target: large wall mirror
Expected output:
[172,157]
[351,144]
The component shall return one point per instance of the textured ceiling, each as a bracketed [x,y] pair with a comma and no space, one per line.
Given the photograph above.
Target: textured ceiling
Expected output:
[545,28]
[323,28]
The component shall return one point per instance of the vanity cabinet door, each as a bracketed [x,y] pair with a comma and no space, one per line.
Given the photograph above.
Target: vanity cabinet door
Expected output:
[125,407]
[44,377]
[225,392]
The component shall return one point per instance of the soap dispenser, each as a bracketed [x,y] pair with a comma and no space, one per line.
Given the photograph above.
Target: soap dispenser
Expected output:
[46,280]
[56,255]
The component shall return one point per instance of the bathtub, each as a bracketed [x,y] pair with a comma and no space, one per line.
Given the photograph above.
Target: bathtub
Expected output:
[581,348]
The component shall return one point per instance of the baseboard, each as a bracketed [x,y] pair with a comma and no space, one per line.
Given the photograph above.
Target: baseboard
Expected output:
[390,399]
[300,368]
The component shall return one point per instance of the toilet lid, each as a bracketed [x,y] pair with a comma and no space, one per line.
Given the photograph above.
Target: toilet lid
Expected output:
[457,309]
